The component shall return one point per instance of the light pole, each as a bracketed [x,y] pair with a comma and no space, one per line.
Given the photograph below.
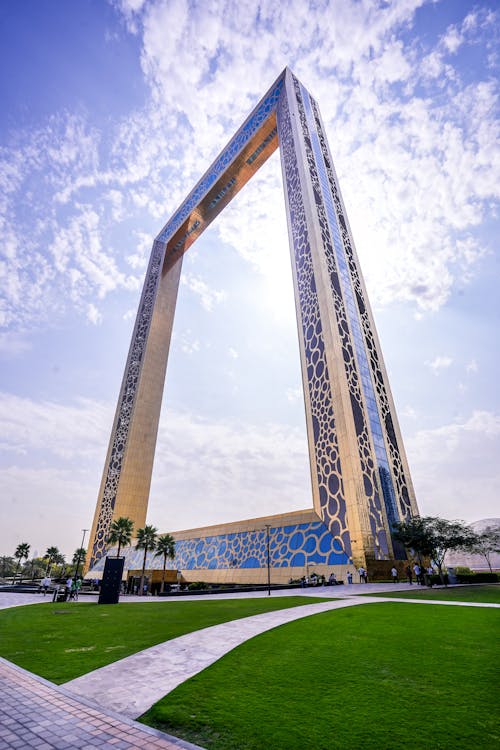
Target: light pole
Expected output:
[268,526]
[79,554]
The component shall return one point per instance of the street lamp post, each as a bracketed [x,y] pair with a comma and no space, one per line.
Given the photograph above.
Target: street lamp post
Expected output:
[79,554]
[268,526]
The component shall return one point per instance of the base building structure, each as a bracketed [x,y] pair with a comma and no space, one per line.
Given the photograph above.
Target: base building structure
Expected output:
[361,484]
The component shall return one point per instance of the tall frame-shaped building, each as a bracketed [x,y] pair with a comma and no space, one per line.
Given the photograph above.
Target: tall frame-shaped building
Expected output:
[361,483]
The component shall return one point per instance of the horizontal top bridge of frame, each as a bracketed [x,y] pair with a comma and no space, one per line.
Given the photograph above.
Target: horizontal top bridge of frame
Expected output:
[246,152]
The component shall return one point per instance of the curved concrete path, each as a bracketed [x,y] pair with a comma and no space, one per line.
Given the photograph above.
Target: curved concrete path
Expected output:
[133,684]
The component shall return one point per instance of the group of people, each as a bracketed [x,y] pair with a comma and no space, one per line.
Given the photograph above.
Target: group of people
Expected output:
[73,586]
[422,575]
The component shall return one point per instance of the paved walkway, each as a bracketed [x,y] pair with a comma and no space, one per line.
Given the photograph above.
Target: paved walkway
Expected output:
[37,715]
[122,686]
[14,599]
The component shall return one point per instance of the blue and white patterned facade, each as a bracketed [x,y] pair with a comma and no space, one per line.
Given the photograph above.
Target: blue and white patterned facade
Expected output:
[296,545]
[361,484]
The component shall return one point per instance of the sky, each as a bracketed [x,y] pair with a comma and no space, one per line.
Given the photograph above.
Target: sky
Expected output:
[111,111]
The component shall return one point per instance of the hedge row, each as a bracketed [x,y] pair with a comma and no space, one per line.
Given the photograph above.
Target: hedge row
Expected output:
[477,577]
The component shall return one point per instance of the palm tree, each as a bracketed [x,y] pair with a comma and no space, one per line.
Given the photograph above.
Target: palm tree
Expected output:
[120,532]
[165,546]
[51,556]
[146,540]
[21,553]
[61,560]
[79,557]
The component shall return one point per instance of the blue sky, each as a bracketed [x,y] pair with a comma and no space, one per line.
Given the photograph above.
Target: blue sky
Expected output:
[111,111]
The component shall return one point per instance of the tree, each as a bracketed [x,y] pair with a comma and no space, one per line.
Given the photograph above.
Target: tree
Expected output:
[487,543]
[165,546]
[61,561]
[52,556]
[6,566]
[146,540]
[433,537]
[414,535]
[36,567]
[120,532]
[79,558]
[21,553]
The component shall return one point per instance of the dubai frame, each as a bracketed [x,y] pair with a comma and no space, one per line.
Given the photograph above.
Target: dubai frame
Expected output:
[361,482]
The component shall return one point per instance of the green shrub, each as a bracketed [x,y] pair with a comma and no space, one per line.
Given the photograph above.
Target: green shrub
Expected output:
[435,580]
[478,578]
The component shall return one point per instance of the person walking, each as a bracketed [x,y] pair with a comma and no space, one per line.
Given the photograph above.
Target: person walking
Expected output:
[394,575]
[349,576]
[363,577]
[430,573]
[418,572]
[409,575]
[75,588]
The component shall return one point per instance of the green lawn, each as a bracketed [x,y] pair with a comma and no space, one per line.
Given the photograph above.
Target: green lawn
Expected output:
[379,677]
[480,592]
[63,641]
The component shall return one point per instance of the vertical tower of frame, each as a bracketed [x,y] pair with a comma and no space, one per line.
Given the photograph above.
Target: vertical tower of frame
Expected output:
[126,478]
[360,474]
[360,478]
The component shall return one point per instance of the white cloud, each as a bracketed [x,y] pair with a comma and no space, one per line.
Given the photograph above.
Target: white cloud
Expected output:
[139,259]
[439,363]
[452,39]
[93,314]
[409,412]
[64,501]
[455,467]
[208,297]
[51,458]
[418,170]
[205,470]
[405,150]
[471,367]
[233,353]
[12,344]
[188,344]
[294,394]
[221,470]
[61,430]
[54,253]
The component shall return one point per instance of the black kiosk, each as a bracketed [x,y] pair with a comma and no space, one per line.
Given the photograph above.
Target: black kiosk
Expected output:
[111,580]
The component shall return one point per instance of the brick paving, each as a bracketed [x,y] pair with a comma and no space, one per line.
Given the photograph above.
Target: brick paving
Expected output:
[37,715]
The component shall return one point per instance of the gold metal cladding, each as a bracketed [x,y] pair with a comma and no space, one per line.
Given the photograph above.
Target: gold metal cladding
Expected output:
[348,510]
[252,157]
